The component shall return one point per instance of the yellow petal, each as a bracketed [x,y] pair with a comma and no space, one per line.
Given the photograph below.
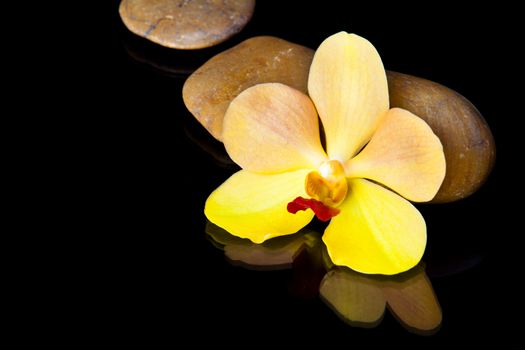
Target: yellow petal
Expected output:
[413,301]
[403,154]
[355,298]
[253,206]
[272,128]
[377,231]
[348,85]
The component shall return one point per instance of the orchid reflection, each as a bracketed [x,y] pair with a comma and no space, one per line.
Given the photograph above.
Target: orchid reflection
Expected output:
[275,254]
[361,299]
[358,299]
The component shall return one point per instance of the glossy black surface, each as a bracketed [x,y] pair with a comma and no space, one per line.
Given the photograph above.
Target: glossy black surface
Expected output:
[156,166]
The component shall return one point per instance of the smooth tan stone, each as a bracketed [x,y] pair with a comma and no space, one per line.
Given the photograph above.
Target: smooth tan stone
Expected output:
[186,24]
[209,90]
[467,141]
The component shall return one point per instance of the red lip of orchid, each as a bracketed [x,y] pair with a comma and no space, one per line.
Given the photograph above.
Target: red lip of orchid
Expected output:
[322,211]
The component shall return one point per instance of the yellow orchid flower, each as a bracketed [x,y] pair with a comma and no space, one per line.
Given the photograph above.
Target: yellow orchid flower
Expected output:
[272,131]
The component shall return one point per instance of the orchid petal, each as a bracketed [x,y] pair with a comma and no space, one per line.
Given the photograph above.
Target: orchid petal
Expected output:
[405,155]
[377,231]
[253,206]
[271,128]
[348,85]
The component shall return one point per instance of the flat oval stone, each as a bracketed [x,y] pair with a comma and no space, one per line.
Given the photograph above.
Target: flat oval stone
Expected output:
[186,24]
[209,90]
[467,141]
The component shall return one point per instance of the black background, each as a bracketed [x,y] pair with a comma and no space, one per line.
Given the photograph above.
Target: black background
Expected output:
[158,277]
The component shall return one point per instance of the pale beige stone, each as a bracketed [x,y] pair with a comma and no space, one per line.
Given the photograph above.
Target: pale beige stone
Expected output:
[186,24]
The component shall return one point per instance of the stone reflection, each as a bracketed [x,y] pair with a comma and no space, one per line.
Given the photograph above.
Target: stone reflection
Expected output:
[169,63]
[358,299]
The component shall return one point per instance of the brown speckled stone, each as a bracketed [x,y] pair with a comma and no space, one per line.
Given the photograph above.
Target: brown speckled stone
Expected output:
[467,141]
[186,24]
[209,90]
